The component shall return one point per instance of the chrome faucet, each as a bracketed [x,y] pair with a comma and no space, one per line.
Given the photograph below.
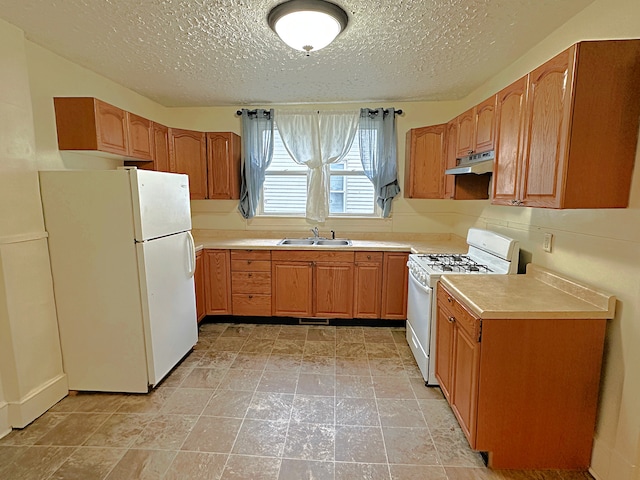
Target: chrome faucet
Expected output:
[315,232]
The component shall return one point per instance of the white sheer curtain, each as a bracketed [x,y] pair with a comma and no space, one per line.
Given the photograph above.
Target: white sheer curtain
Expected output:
[317,139]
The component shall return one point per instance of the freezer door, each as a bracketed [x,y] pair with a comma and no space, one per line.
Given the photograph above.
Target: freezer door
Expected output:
[169,303]
[162,206]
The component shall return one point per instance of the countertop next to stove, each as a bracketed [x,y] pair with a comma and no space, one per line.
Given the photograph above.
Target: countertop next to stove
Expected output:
[414,243]
[540,293]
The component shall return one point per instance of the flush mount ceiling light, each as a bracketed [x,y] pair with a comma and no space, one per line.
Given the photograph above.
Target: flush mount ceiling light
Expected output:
[307,25]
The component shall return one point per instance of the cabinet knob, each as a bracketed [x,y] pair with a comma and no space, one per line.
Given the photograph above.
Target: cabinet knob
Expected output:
[250,296]
[250,275]
[470,152]
[449,299]
[368,257]
[451,319]
[248,262]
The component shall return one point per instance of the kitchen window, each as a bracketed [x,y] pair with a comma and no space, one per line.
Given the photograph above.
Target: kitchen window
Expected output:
[285,187]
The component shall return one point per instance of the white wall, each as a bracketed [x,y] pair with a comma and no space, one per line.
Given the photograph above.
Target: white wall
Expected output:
[30,360]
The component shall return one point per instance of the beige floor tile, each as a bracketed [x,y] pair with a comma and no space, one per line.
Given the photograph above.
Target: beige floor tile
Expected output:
[196,466]
[228,403]
[238,331]
[291,469]
[167,432]
[453,448]
[208,378]
[352,366]
[119,430]
[250,361]
[240,379]
[350,334]
[279,362]
[33,463]
[354,386]
[382,350]
[316,384]
[257,345]
[228,344]
[387,367]
[241,467]
[351,350]
[319,349]
[74,429]
[417,472]
[89,402]
[437,414]
[288,346]
[422,392]
[265,331]
[411,446]
[313,409]
[213,434]
[215,359]
[361,471]
[357,411]
[146,403]
[396,412]
[270,406]
[377,335]
[33,432]
[278,382]
[177,376]
[310,441]
[322,334]
[293,332]
[392,387]
[322,365]
[142,465]
[87,463]
[360,444]
[187,401]
[261,438]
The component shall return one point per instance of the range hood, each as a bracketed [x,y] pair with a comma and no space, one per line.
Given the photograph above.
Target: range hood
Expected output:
[477,163]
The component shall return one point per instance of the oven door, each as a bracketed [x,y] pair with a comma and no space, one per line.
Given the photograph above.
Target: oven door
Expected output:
[420,300]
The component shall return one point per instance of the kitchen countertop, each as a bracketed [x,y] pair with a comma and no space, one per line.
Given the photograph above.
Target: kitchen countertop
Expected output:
[414,243]
[540,293]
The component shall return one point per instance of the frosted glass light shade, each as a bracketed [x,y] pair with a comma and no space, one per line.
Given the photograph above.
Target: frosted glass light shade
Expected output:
[307,25]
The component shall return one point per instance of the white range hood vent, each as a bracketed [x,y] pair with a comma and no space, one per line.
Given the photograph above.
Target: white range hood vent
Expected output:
[477,163]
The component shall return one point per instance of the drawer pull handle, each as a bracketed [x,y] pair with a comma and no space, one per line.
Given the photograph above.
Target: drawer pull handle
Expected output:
[250,296]
[250,275]
[451,319]
[449,299]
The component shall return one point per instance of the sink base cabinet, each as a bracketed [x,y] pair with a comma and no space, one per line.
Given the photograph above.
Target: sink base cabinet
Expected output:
[523,390]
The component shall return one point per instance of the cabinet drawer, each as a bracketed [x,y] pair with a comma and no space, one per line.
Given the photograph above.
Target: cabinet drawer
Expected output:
[454,308]
[362,257]
[243,265]
[251,254]
[251,282]
[254,305]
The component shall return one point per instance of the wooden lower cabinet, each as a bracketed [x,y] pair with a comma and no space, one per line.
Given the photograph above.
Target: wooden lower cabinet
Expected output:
[292,288]
[217,271]
[367,285]
[523,390]
[395,276]
[199,281]
[251,282]
[333,290]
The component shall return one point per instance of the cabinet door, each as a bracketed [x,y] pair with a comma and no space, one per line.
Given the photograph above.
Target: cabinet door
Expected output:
[485,125]
[333,290]
[111,126]
[510,117]
[451,159]
[160,148]
[223,165]
[466,133]
[395,276]
[424,165]
[367,285]
[464,393]
[188,154]
[444,351]
[140,137]
[218,282]
[292,289]
[548,116]
[201,308]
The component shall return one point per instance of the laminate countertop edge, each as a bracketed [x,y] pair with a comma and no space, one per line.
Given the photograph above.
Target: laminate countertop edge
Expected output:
[538,294]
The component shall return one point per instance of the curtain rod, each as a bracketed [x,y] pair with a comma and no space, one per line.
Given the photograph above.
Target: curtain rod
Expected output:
[253,112]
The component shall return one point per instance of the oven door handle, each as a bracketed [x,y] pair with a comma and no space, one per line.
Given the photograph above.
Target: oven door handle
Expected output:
[424,288]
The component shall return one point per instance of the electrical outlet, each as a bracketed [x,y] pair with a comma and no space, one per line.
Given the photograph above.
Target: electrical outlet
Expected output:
[546,244]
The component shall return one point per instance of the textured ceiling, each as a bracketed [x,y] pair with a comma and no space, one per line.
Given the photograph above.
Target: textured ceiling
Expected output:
[222,52]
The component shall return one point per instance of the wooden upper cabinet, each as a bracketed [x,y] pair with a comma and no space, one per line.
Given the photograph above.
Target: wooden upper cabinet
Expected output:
[86,123]
[476,129]
[394,285]
[424,162]
[188,155]
[510,116]
[140,131]
[466,133]
[579,133]
[451,158]
[160,147]
[485,125]
[223,165]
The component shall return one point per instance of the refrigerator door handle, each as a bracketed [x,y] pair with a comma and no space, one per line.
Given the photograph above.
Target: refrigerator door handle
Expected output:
[192,256]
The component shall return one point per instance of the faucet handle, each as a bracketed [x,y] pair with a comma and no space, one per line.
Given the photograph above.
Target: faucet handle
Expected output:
[333,234]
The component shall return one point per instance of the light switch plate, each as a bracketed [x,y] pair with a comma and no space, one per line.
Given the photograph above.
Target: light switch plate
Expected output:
[548,240]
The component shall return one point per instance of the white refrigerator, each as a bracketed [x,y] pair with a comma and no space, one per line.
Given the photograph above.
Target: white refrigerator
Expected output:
[122,260]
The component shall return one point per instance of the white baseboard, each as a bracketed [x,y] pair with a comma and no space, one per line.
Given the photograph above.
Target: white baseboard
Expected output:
[26,410]
[5,426]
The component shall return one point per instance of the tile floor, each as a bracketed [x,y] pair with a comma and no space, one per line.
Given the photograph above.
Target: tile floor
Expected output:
[263,402]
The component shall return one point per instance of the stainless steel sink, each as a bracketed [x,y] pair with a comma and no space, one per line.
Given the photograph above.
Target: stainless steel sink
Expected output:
[315,242]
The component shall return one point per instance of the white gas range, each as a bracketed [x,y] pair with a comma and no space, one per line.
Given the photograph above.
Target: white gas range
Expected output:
[489,253]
